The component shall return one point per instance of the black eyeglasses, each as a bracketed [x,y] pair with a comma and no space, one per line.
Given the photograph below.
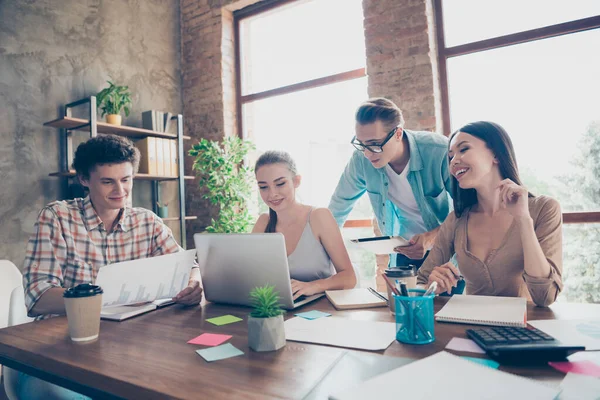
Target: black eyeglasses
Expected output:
[373,148]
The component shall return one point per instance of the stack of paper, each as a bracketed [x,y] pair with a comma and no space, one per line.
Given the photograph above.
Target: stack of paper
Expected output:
[342,332]
[443,376]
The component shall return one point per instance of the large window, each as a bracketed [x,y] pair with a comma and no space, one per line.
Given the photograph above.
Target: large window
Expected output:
[537,74]
[302,76]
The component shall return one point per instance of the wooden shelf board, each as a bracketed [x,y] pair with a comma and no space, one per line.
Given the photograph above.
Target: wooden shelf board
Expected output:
[103,127]
[144,177]
[188,218]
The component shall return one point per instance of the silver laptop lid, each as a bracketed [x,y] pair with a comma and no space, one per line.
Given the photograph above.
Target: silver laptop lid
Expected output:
[231,265]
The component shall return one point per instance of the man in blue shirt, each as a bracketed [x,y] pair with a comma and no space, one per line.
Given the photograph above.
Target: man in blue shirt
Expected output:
[405,173]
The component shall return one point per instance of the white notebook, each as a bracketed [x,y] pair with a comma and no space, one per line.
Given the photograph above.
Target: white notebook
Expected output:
[453,377]
[120,313]
[354,298]
[485,310]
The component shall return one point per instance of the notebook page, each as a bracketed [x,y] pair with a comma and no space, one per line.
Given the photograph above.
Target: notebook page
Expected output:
[354,297]
[485,310]
[452,376]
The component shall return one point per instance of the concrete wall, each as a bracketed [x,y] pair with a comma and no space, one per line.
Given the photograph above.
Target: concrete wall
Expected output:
[56,51]
[401,65]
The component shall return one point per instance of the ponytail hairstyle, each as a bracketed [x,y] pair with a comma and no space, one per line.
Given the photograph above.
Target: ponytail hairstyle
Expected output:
[275,157]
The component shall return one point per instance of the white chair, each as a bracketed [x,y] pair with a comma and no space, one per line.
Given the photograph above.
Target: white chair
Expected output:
[12,312]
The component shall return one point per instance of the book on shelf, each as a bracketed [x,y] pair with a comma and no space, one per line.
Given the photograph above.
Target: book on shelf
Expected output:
[173,149]
[147,148]
[167,123]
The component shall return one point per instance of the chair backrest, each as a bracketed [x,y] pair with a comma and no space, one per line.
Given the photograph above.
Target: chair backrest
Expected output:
[12,312]
[11,279]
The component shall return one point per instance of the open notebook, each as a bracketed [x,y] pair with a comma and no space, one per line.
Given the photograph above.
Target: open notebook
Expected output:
[120,313]
[485,310]
[354,298]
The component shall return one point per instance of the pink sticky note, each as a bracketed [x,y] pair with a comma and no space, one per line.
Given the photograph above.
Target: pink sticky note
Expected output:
[210,339]
[577,367]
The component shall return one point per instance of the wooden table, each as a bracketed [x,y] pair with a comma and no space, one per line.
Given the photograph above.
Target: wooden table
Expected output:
[148,357]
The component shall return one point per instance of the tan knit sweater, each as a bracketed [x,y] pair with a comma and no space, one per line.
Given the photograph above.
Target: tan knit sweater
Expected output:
[502,273]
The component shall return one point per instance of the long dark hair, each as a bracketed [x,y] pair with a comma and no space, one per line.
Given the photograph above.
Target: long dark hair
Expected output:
[275,157]
[498,141]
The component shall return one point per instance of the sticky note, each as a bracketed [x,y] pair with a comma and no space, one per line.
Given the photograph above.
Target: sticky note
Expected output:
[209,339]
[224,320]
[314,314]
[460,344]
[578,367]
[221,352]
[483,361]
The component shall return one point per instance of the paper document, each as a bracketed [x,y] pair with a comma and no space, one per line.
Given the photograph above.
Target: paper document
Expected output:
[381,244]
[342,332]
[576,332]
[579,387]
[146,279]
[454,377]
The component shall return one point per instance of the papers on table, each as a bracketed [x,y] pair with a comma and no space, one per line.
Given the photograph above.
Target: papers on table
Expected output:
[576,332]
[444,375]
[579,387]
[460,344]
[380,244]
[146,279]
[342,332]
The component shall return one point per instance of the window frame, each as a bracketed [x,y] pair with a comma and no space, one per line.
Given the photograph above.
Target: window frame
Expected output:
[444,53]
[264,7]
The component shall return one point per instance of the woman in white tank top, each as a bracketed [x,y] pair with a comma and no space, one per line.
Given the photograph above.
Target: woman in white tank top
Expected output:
[312,238]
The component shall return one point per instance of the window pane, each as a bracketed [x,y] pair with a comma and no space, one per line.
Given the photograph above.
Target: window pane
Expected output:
[301,41]
[472,20]
[315,126]
[581,272]
[546,95]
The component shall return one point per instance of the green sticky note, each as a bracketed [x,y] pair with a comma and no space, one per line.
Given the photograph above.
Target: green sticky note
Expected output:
[483,361]
[224,320]
[220,352]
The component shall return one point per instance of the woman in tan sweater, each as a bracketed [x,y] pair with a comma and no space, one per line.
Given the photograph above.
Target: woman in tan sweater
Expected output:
[507,242]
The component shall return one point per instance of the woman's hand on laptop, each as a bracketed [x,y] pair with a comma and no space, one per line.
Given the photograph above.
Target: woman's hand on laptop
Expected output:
[191,295]
[300,288]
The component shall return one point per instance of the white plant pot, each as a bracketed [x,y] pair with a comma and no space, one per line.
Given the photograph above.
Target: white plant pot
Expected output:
[266,334]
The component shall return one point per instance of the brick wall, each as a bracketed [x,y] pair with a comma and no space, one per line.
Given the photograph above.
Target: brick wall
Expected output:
[401,65]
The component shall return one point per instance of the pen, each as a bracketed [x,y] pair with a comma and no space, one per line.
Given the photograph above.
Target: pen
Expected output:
[431,289]
[376,293]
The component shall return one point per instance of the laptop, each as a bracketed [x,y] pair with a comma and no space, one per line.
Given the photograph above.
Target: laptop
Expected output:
[233,264]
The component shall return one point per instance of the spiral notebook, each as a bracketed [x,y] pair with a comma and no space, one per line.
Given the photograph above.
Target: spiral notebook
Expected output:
[485,310]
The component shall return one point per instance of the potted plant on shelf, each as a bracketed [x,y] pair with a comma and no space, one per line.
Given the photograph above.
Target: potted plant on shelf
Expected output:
[112,100]
[225,181]
[265,323]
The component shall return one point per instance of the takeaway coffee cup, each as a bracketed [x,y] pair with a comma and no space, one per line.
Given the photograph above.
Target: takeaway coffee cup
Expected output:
[83,303]
[407,274]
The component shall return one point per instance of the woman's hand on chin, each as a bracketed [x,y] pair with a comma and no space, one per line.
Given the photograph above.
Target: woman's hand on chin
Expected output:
[514,198]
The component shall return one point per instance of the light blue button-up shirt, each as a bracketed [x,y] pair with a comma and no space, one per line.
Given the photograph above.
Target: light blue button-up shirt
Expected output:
[428,177]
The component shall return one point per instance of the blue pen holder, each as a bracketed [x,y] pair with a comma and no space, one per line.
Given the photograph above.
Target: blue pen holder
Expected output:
[414,317]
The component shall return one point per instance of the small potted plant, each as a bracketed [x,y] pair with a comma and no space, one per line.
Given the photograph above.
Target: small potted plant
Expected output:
[265,323]
[112,100]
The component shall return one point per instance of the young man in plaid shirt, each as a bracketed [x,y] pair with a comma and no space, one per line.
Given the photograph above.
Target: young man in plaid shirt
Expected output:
[74,238]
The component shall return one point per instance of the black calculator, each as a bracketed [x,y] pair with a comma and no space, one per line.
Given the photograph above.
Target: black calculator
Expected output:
[514,345]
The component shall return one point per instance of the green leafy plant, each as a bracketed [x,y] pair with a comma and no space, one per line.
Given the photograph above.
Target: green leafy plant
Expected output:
[265,301]
[225,181]
[113,99]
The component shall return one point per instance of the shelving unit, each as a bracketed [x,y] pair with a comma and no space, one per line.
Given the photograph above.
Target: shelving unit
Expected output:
[68,124]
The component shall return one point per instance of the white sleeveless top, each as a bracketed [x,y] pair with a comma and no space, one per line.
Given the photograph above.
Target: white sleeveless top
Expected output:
[309,261]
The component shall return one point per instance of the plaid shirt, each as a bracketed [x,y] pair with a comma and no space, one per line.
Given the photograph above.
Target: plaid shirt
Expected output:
[70,244]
